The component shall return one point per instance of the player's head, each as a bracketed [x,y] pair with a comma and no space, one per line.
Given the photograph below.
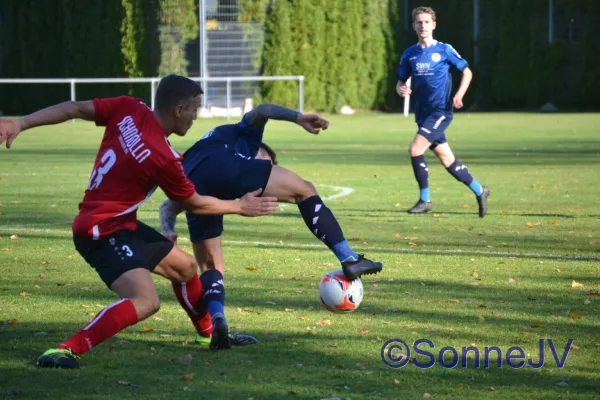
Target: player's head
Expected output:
[424,22]
[266,153]
[177,101]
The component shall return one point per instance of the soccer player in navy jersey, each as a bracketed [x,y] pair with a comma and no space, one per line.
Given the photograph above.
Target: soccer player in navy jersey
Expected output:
[231,159]
[428,63]
[134,159]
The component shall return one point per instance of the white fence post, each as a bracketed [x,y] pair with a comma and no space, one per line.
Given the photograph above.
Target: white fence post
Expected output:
[407,99]
[152,92]
[228,98]
[73,97]
[301,94]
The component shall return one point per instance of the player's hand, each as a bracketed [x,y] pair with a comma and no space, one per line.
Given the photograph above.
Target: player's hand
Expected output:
[457,101]
[253,206]
[312,123]
[403,90]
[9,129]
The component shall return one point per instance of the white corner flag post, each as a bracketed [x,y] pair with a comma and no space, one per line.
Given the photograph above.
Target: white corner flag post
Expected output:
[407,100]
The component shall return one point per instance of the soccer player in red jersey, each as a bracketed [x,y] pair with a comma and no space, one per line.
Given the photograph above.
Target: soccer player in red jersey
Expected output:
[134,159]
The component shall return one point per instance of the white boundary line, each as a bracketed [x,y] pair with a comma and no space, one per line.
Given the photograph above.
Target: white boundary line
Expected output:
[343,191]
[13,229]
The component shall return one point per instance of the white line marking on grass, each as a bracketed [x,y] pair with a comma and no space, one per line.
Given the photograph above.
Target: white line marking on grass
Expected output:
[14,229]
[342,192]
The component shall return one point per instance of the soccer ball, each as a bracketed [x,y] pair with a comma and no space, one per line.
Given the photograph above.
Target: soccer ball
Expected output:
[338,294]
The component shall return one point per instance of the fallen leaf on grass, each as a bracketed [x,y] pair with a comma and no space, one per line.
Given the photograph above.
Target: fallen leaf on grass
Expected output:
[455,301]
[495,313]
[14,237]
[512,281]
[157,318]
[586,301]
[252,269]
[145,329]
[41,276]
[552,222]
[426,396]
[573,314]
[536,325]
[593,292]
[340,366]
[187,377]
[12,322]
[475,275]
[576,284]
[288,309]
[186,359]
[575,347]
[324,322]
[24,294]
[529,225]
[492,389]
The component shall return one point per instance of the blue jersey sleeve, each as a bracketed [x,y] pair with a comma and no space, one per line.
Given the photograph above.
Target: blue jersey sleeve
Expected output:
[404,70]
[250,132]
[454,59]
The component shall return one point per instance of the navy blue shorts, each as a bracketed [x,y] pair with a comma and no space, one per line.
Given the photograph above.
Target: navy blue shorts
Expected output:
[227,177]
[433,128]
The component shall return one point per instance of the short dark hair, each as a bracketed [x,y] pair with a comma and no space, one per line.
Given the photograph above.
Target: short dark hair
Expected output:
[266,148]
[174,90]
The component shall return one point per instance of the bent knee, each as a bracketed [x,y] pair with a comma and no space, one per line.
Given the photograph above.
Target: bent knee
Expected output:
[414,150]
[146,306]
[307,190]
[184,271]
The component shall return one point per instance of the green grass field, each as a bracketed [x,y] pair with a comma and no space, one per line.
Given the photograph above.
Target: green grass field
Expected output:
[517,276]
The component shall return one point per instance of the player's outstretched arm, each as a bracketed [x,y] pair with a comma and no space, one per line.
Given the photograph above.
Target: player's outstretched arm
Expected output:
[251,205]
[10,128]
[259,116]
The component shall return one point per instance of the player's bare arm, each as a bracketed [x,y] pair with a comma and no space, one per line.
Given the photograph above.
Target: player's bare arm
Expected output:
[251,205]
[259,116]
[402,89]
[10,128]
[465,81]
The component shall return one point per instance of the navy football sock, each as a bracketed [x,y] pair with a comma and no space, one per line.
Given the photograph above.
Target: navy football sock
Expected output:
[461,173]
[322,223]
[421,175]
[213,295]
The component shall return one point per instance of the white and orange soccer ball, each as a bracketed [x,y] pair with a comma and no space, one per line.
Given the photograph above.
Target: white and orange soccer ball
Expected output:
[338,294]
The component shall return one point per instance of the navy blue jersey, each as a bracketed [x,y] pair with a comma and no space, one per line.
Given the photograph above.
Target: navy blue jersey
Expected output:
[431,80]
[240,139]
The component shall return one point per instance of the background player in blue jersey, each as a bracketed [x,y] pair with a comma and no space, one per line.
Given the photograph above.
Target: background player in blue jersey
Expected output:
[428,63]
[226,162]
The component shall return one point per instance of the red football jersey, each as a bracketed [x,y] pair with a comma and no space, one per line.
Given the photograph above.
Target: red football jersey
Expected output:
[134,158]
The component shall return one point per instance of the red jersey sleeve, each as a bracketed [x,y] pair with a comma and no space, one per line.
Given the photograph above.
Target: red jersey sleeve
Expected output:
[173,181]
[107,107]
